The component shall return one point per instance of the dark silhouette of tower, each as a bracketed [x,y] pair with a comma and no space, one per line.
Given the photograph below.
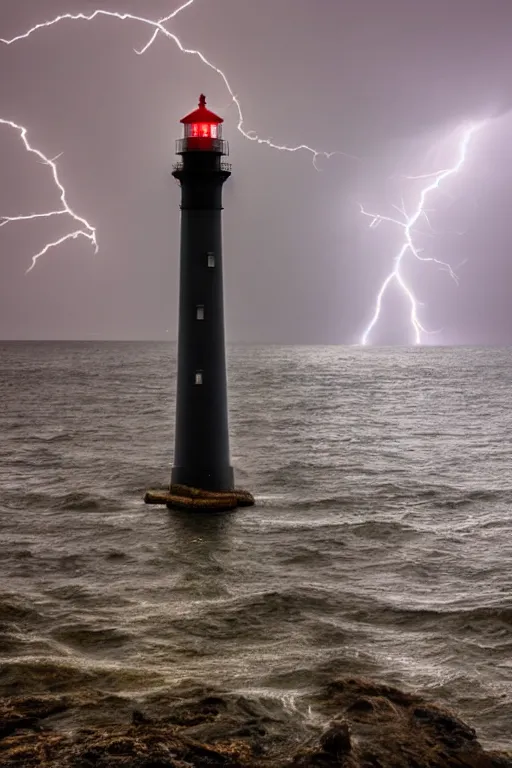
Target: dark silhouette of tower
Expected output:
[201,451]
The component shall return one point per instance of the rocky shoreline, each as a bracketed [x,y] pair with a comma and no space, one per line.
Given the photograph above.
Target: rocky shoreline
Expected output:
[358,724]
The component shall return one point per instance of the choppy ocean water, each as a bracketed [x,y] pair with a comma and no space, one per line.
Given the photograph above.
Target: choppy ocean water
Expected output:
[380,544]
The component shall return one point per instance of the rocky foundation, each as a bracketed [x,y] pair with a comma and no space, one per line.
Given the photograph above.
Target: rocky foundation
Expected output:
[366,725]
[184,497]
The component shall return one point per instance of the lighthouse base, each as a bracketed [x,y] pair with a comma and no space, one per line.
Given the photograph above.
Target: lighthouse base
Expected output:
[217,479]
[196,499]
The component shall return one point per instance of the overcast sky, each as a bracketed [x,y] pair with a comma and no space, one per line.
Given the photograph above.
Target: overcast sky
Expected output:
[389,81]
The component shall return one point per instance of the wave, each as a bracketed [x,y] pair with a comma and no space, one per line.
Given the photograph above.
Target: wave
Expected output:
[70,501]
[82,502]
[16,609]
[25,675]
[458,621]
[55,437]
[83,637]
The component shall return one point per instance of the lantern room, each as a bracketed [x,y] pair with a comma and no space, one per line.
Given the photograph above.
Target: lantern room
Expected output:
[202,131]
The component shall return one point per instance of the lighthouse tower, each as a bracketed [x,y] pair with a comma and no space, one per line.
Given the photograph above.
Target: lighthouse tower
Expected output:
[202,476]
[201,450]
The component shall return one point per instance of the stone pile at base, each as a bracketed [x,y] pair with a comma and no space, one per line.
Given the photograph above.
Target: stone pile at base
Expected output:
[184,497]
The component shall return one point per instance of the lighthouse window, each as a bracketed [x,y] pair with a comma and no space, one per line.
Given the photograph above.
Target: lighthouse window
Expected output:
[200,312]
[203,131]
[211,259]
[199,377]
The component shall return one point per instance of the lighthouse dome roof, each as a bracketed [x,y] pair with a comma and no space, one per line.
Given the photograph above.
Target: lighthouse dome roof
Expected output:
[201,114]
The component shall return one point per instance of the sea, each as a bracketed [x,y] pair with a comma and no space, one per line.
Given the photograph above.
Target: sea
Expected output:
[380,544]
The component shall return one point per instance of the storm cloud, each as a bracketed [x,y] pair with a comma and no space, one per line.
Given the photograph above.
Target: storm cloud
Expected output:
[387,81]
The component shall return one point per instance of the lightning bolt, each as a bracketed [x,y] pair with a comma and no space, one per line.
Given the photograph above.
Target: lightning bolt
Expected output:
[86,230]
[409,224]
[158,29]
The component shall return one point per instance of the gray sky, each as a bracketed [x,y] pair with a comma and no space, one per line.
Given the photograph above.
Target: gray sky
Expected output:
[390,81]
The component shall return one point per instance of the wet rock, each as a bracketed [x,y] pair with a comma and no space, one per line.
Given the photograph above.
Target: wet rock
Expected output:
[370,726]
[362,705]
[391,728]
[336,740]
[449,729]
[20,713]
[139,718]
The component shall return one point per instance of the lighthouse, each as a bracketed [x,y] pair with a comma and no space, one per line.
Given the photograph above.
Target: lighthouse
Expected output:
[202,475]
[201,445]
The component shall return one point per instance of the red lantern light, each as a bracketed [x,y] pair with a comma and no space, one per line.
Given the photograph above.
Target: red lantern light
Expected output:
[203,131]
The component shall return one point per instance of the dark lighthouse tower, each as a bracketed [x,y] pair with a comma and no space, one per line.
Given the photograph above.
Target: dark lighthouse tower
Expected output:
[201,451]
[202,476]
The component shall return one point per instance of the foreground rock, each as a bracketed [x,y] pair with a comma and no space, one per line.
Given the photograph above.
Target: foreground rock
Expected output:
[376,726]
[366,726]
